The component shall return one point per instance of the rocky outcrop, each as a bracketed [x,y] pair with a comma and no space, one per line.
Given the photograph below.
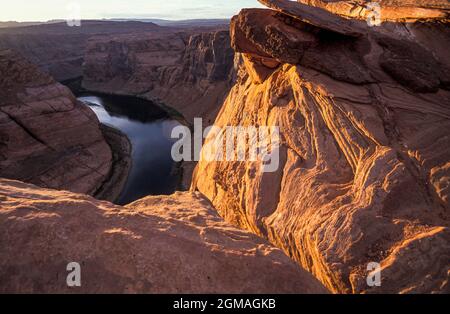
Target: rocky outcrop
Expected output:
[190,73]
[390,10]
[47,137]
[364,118]
[166,244]
[316,16]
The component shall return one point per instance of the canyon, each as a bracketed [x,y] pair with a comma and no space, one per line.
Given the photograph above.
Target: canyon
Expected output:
[188,73]
[364,176]
[59,49]
[185,67]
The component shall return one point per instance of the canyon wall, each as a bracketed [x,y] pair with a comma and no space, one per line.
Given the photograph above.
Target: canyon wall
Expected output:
[186,68]
[364,117]
[191,73]
[47,137]
[164,244]
[58,49]
[188,73]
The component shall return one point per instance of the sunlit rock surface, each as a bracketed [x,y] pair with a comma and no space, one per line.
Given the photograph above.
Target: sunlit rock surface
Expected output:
[390,10]
[364,170]
[167,244]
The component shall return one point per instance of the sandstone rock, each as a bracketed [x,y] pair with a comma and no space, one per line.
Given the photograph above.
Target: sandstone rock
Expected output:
[317,16]
[166,244]
[260,32]
[46,136]
[121,148]
[391,10]
[412,65]
[350,189]
[257,68]
[364,163]
[269,35]
[265,34]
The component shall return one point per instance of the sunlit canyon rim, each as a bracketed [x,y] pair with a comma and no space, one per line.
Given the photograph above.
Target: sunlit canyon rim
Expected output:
[364,159]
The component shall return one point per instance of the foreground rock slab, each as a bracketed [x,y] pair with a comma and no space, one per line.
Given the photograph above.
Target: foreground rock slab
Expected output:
[167,244]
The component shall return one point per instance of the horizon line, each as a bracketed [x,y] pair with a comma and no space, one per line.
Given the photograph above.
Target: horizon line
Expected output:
[116,19]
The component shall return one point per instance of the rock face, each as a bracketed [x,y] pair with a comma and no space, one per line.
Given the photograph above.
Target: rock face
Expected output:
[390,10]
[364,118]
[47,137]
[186,72]
[58,49]
[190,73]
[168,244]
[116,180]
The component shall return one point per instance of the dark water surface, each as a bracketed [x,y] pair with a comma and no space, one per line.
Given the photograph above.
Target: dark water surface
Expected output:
[148,128]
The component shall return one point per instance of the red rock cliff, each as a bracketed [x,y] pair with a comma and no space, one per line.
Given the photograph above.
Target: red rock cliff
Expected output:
[364,115]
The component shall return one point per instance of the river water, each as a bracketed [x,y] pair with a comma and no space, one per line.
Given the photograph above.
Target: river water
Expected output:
[148,128]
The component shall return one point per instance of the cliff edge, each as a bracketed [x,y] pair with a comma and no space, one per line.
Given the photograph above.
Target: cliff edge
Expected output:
[164,244]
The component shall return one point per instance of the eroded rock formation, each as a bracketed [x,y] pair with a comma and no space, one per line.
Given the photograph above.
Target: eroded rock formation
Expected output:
[47,137]
[390,10]
[190,73]
[364,116]
[167,244]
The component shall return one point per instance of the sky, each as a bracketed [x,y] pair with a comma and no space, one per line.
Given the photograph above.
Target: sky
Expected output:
[44,10]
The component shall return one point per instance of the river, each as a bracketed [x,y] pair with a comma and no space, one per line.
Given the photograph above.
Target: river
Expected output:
[148,128]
